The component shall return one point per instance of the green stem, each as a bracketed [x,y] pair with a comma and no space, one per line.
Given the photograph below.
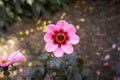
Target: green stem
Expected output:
[8,78]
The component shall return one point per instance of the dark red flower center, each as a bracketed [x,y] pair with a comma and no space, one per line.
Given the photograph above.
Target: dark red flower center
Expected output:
[60,37]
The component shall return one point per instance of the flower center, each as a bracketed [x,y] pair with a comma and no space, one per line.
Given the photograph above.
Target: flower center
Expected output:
[4,61]
[60,37]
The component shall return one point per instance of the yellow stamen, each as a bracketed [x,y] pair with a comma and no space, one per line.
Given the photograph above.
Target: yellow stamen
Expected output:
[60,37]
[3,61]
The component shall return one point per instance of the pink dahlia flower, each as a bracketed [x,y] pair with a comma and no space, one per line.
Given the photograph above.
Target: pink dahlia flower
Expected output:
[6,60]
[59,38]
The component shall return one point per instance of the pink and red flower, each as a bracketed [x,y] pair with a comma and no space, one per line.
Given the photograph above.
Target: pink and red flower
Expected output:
[59,38]
[6,60]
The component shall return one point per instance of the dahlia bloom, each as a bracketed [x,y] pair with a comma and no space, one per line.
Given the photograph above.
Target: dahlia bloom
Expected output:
[6,60]
[59,38]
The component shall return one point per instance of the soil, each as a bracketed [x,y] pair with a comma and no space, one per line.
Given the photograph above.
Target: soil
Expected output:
[97,23]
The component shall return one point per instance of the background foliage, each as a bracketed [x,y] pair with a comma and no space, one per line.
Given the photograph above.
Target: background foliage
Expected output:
[24,10]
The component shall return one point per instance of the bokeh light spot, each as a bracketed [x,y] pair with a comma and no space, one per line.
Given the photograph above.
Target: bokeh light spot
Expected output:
[77,27]
[31,30]
[44,23]
[38,22]
[49,21]
[30,64]
[38,29]
[62,15]
[82,20]
[23,51]
[21,39]
[83,2]
[27,32]
[20,33]
[91,8]
[6,47]
[1,40]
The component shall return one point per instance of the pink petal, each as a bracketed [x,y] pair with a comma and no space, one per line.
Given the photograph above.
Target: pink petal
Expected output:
[50,46]
[16,57]
[5,56]
[19,58]
[47,37]
[67,48]
[3,64]
[0,58]
[107,57]
[50,28]
[13,55]
[61,24]
[71,29]
[74,39]
[58,52]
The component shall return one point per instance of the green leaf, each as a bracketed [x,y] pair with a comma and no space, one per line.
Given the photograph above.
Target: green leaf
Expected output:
[44,56]
[77,76]
[55,63]
[18,9]
[1,3]
[36,71]
[80,62]
[117,68]
[86,72]
[30,2]
[46,13]
[36,8]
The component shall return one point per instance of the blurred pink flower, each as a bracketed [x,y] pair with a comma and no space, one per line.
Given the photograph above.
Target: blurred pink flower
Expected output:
[106,64]
[118,48]
[6,60]
[113,46]
[98,72]
[107,56]
[59,38]
[116,78]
